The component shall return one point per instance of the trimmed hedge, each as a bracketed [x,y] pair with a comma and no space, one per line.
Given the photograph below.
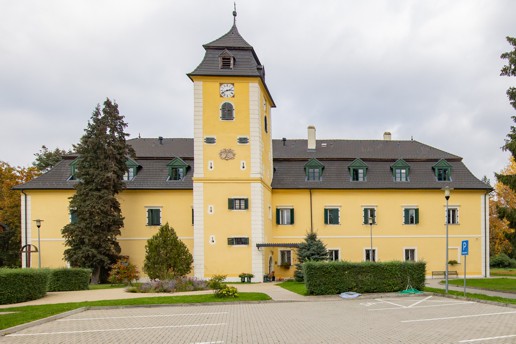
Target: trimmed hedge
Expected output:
[328,278]
[19,285]
[68,279]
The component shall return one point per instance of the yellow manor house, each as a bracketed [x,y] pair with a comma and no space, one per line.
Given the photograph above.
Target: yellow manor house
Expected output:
[242,202]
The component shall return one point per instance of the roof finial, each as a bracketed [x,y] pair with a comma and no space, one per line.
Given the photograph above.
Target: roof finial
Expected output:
[234,13]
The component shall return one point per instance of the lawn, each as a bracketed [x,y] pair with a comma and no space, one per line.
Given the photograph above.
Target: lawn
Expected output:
[295,287]
[472,295]
[106,286]
[27,314]
[503,272]
[497,284]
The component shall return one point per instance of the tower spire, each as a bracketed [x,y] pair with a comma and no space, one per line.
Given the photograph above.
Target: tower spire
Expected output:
[234,13]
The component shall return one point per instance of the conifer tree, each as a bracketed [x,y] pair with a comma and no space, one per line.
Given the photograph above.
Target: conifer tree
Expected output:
[166,256]
[312,249]
[92,240]
[510,143]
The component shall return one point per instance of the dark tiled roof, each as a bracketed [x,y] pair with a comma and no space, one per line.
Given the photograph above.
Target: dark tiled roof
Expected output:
[153,156]
[231,39]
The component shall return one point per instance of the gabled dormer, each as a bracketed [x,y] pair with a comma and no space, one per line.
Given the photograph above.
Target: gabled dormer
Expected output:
[400,171]
[358,170]
[313,170]
[226,60]
[74,169]
[442,170]
[131,169]
[177,169]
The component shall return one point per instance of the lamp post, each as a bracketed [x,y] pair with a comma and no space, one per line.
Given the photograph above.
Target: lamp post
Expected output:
[38,224]
[447,197]
[371,234]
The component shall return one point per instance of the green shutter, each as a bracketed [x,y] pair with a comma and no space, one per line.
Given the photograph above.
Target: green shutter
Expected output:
[149,217]
[292,216]
[246,203]
[73,216]
[417,215]
[406,216]
[366,220]
[230,203]
[326,220]
[277,216]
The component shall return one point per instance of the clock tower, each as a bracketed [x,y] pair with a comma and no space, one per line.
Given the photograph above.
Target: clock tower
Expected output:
[233,159]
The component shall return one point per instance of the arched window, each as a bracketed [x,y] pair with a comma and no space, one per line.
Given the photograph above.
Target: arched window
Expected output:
[265,125]
[227,111]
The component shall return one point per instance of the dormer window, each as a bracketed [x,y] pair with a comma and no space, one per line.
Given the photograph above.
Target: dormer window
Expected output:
[177,169]
[442,170]
[227,112]
[131,169]
[313,170]
[358,170]
[400,171]
[226,60]
[74,169]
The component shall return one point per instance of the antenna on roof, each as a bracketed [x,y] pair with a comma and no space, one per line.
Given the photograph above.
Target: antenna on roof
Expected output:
[234,13]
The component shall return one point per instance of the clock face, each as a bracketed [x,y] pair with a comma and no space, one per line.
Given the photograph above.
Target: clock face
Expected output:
[227,90]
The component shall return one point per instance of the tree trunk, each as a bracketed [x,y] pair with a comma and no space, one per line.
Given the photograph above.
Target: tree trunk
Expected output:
[95,275]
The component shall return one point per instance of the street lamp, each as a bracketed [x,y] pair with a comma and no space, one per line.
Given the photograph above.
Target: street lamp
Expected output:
[447,197]
[38,224]
[371,233]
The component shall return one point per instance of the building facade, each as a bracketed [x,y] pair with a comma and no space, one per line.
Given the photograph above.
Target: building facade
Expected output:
[242,201]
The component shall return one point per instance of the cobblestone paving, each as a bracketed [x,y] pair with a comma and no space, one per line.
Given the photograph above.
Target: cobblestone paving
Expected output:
[411,319]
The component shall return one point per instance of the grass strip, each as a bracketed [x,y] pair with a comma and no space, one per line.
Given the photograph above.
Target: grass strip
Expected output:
[496,284]
[503,272]
[472,295]
[295,287]
[27,314]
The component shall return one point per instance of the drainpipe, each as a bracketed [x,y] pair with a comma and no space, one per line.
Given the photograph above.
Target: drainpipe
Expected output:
[311,214]
[486,235]
[27,253]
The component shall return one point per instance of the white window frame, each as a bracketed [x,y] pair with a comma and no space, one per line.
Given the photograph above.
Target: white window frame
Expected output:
[287,211]
[455,218]
[281,261]
[405,252]
[369,214]
[331,257]
[375,254]
[332,207]
[147,208]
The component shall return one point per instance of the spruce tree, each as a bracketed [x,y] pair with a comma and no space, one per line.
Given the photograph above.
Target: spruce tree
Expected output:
[312,249]
[92,240]
[166,256]
[509,69]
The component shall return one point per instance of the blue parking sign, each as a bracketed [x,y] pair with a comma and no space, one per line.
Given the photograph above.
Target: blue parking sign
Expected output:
[465,247]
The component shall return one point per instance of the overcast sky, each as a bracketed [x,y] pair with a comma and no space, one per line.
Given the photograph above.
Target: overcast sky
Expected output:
[427,70]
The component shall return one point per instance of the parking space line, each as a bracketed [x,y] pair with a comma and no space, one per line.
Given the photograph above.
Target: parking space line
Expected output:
[418,302]
[110,330]
[427,306]
[392,303]
[458,317]
[487,338]
[218,342]
[143,316]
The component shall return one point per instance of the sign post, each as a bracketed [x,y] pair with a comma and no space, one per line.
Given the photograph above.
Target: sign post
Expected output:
[464,252]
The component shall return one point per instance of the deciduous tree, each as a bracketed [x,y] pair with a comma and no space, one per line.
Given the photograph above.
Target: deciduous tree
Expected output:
[92,240]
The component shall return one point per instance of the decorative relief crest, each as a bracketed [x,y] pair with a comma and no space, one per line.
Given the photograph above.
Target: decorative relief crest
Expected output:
[227,154]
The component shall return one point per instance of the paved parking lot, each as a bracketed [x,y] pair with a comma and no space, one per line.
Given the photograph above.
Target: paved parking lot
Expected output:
[410,319]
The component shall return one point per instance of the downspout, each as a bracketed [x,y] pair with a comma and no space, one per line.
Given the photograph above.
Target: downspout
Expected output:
[486,235]
[27,253]
[311,213]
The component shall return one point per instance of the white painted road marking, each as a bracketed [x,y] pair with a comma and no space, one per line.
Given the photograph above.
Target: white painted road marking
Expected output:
[143,316]
[458,317]
[110,330]
[418,302]
[220,341]
[487,338]
[427,306]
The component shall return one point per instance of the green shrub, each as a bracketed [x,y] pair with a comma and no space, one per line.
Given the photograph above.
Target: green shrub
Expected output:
[19,285]
[226,291]
[502,261]
[327,278]
[216,282]
[68,279]
[123,272]
[177,284]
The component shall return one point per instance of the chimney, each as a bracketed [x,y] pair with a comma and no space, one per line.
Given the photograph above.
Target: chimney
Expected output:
[311,138]
[160,140]
[387,136]
[284,141]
